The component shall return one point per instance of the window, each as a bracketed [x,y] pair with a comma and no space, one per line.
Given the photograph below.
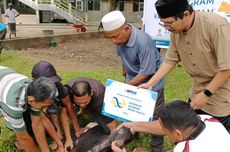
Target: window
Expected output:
[141,6]
[120,5]
[79,5]
[138,5]
[94,5]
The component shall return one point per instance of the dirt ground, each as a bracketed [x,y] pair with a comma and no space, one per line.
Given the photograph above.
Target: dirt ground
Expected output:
[82,54]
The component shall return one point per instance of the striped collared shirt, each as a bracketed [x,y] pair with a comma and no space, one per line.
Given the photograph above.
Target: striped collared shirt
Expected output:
[13,97]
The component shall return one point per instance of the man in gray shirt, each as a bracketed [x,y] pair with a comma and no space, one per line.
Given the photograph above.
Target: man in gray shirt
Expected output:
[140,58]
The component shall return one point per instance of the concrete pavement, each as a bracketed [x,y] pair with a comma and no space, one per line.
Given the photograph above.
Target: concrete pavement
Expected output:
[27,27]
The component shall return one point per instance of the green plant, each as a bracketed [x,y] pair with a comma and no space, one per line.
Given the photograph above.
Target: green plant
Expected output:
[7,139]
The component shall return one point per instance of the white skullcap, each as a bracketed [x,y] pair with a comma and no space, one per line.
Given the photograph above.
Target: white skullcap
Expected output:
[113,20]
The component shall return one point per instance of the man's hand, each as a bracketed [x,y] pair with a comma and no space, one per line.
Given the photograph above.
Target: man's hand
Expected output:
[130,126]
[68,143]
[145,86]
[115,148]
[60,147]
[25,141]
[80,131]
[127,125]
[199,100]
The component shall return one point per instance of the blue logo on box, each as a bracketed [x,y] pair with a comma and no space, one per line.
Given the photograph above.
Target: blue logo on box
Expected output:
[130,92]
[118,104]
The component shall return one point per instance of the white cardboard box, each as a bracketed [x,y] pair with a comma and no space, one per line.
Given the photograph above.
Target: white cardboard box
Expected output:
[126,103]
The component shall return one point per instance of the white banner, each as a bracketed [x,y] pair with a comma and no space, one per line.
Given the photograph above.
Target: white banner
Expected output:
[160,35]
[125,102]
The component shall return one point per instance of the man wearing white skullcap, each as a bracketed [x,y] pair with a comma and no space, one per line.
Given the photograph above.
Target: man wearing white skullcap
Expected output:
[113,20]
[140,58]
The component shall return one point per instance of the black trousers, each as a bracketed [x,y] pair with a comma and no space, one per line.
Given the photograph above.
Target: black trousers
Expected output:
[157,141]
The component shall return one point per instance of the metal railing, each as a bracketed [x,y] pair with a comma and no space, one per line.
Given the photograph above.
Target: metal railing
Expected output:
[62,4]
[69,9]
[44,1]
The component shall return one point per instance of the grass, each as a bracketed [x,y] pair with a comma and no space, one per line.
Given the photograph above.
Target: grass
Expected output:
[177,85]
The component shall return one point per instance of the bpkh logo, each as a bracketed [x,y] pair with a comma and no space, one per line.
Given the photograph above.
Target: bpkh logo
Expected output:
[130,91]
[117,103]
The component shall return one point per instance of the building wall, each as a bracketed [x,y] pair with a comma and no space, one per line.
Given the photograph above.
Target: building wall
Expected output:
[105,5]
[91,16]
[128,6]
[132,17]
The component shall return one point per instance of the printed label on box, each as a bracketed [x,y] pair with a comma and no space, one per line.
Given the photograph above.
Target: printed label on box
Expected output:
[127,103]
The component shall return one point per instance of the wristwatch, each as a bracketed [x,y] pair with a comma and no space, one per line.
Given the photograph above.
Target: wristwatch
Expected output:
[208,93]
